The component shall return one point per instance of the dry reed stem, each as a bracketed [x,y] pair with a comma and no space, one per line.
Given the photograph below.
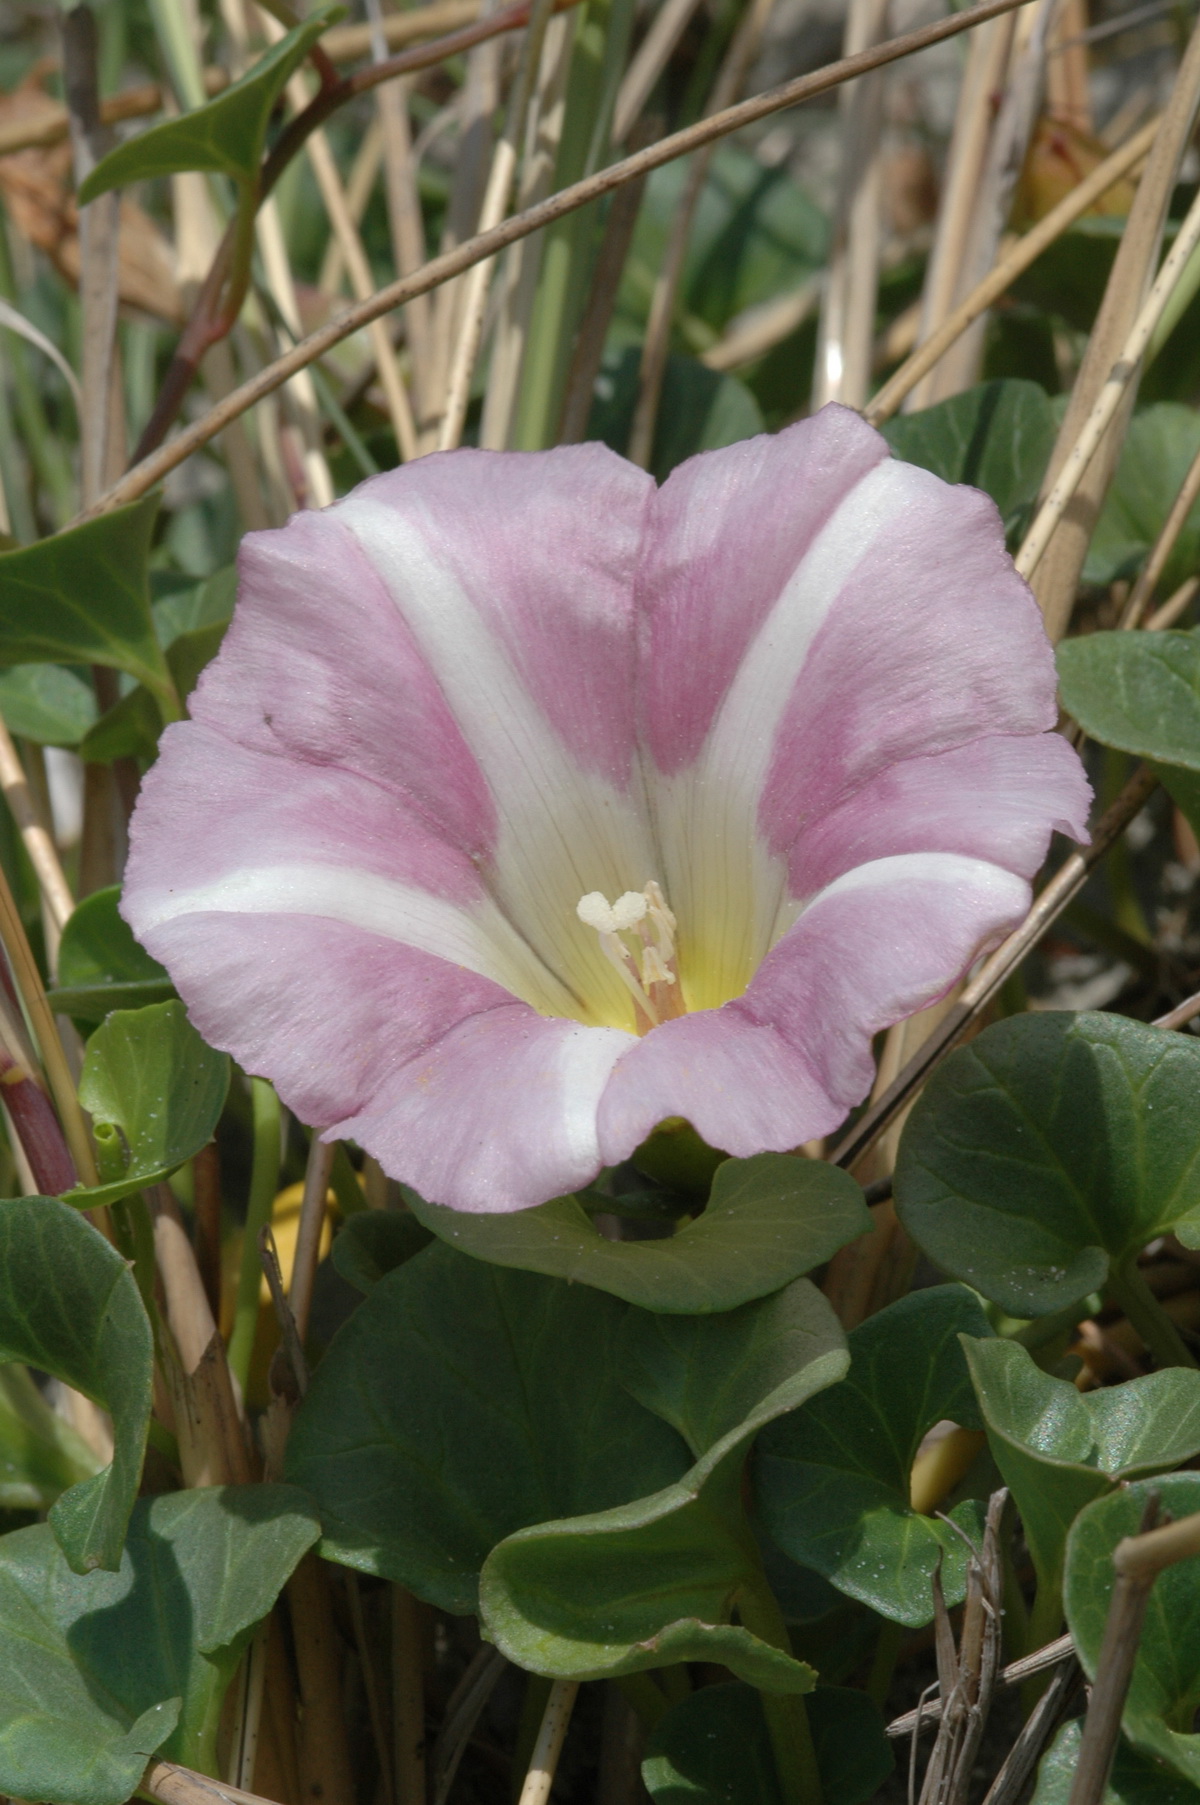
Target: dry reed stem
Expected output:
[353,258]
[647,64]
[1132,270]
[408,1699]
[1014,263]
[35,834]
[1122,379]
[983,75]
[364,171]
[657,344]
[326,1772]
[1114,1667]
[846,329]
[548,1747]
[492,210]
[1173,607]
[441,269]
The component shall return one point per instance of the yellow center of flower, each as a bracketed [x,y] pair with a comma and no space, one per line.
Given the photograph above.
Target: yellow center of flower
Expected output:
[637,933]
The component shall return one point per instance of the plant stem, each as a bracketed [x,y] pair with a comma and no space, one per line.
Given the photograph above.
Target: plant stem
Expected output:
[787,1718]
[264,1182]
[1128,1288]
[883,1662]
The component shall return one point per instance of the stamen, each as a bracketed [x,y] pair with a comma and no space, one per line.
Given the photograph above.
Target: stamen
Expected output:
[643,913]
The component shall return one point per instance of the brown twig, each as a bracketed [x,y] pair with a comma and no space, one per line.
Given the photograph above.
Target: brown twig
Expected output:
[1015,1674]
[153,468]
[1114,1668]
[1164,545]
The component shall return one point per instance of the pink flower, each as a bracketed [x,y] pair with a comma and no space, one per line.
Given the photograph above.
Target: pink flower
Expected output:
[528,804]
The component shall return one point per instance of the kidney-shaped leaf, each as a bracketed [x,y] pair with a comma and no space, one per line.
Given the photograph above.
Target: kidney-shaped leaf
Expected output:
[47,703]
[1165,1689]
[1135,1779]
[658,1580]
[997,436]
[226,135]
[1139,692]
[1057,1448]
[768,1220]
[81,597]
[69,1306]
[155,1092]
[101,1672]
[459,1403]
[1049,1148]
[713,1748]
[101,966]
[833,1478]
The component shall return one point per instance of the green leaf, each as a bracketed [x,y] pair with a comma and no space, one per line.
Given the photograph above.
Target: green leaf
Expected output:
[227,136]
[208,603]
[40,1455]
[129,729]
[459,1403]
[833,1479]
[101,966]
[1165,1688]
[658,1580]
[768,1220]
[148,1075]
[1161,442]
[998,437]
[69,1306]
[1057,1448]
[100,1673]
[374,1242]
[713,1748]
[1049,1148]
[1135,1779]
[81,597]
[46,703]
[1137,691]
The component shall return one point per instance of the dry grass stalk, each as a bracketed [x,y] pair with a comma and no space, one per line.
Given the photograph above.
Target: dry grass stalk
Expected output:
[442,269]
[308,1234]
[493,208]
[1132,273]
[1113,397]
[523,262]
[984,74]
[967,1675]
[1012,264]
[37,838]
[846,330]
[1118,1652]
[548,1747]
[657,345]
[326,1771]
[1007,146]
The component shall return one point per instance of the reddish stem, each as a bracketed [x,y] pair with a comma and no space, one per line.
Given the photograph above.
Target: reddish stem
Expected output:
[33,1118]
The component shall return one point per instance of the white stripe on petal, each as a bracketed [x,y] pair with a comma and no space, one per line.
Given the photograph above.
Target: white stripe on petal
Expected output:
[727,889]
[563,832]
[477,937]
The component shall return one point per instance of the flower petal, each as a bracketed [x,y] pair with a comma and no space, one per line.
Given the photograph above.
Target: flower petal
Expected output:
[499,1114]
[319,668]
[473,1098]
[514,574]
[250,834]
[851,657]
[786,1061]
[997,799]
